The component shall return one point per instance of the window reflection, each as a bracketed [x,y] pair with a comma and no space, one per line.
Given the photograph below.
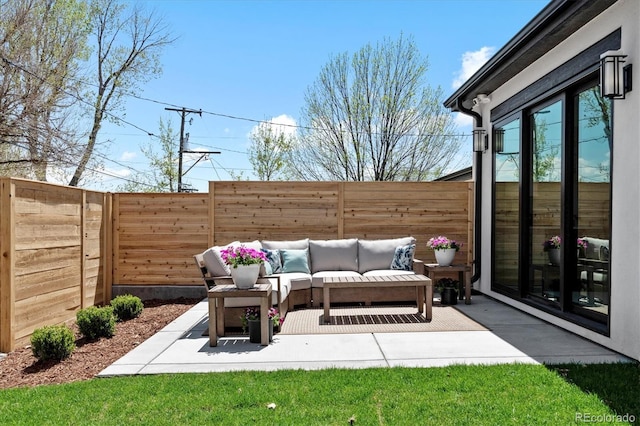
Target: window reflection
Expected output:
[590,294]
[546,201]
[507,208]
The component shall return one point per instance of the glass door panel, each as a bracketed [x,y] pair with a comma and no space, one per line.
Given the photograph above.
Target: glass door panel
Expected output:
[506,235]
[590,292]
[546,173]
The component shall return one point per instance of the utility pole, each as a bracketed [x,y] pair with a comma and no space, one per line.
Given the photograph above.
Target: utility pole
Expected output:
[183,114]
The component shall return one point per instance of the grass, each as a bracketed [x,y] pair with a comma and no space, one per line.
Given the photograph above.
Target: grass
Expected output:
[514,394]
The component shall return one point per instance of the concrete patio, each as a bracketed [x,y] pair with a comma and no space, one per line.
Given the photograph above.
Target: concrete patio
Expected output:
[512,336]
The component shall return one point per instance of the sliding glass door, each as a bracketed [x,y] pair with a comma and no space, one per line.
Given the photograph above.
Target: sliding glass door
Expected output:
[546,134]
[590,294]
[552,205]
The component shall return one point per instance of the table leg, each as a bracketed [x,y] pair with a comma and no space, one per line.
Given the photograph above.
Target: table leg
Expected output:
[428,300]
[467,288]
[220,317]
[327,298]
[213,336]
[264,321]
[420,298]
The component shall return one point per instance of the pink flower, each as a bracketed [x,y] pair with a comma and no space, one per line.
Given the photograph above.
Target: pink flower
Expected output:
[442,243]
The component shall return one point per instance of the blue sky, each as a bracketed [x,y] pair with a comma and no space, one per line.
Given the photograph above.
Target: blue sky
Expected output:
[254,60]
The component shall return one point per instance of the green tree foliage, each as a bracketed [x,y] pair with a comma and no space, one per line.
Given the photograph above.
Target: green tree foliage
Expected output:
[163,166]
[372,116]
[269,150]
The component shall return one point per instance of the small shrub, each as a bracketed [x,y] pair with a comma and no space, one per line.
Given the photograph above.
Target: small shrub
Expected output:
[52,342]
[126,307]
[95,322]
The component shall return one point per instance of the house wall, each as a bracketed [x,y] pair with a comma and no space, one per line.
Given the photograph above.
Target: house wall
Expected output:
[625,261]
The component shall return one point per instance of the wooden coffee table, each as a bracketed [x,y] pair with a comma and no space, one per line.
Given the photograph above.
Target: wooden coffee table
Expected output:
[423,284]
[216,297]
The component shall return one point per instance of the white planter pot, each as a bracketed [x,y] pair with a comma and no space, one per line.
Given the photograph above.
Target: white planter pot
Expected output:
[245,276]
[444,257]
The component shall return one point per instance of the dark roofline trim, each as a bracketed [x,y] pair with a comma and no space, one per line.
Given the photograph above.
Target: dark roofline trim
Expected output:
[560,78]
[546,30]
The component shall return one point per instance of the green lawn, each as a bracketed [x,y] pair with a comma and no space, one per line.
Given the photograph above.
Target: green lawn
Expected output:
[475,395]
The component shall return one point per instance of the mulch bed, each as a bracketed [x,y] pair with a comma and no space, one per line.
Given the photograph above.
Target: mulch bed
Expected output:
[20,368]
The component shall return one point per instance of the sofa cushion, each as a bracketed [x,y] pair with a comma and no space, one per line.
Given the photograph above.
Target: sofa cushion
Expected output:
[213,260]
[295,260]
[317,280]
[597,248]
[334,255]
[378,254]
[296,280]
[403,257]
[294,244]
[273,258]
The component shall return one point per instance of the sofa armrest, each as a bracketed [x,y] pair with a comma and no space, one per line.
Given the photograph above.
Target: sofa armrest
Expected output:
[418,266]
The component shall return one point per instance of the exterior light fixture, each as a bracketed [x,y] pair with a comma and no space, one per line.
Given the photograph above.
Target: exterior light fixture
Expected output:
[498,140]
[479,140]
[615,77]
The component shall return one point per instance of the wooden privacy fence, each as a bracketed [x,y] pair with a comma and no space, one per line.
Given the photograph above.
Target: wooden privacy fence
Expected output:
[63,248]
[156,235]
[54,242]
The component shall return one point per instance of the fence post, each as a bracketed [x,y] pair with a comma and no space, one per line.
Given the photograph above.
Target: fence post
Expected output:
[107,246]
[7,265]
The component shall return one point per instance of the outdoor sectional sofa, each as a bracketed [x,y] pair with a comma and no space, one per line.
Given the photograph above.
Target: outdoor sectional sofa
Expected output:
[298,268]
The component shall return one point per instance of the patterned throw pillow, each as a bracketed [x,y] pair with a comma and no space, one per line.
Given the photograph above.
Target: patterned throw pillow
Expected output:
[273,257]
[403,258]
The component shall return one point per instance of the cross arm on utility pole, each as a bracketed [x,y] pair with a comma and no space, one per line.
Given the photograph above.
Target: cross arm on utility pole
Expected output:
[183,114]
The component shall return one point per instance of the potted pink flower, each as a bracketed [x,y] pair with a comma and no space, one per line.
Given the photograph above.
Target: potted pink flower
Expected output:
[245,264]
[445,249]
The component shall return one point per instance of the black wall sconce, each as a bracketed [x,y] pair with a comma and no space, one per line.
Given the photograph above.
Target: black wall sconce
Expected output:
[615,77]
[498,140]
[479,140]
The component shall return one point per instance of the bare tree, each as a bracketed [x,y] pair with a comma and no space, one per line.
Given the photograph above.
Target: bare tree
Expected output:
[371,116]
[128,42]
[270,147]
[41,42]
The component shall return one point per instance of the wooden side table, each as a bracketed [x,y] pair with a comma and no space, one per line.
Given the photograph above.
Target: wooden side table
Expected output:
[216,297]
[464,277]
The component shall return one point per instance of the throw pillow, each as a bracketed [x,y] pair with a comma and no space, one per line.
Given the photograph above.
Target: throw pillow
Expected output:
[295,261]
[403,257]
[265,269]
[273,258]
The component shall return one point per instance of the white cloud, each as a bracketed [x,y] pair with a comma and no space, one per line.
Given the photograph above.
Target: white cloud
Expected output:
[463,120]
[281,124]
[128,156]
[471,62]
[117,172]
